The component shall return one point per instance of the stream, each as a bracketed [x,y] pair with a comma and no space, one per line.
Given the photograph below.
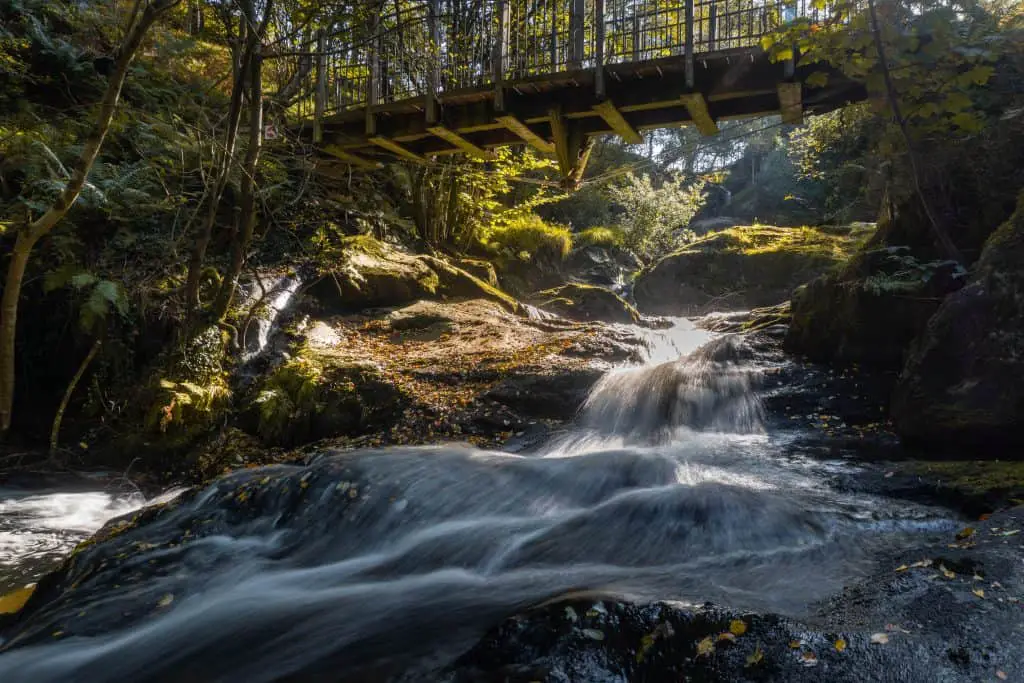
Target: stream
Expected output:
[390,563]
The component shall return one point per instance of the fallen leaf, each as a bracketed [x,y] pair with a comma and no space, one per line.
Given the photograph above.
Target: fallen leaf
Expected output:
[902,568]
[1001,675]
[165,601]
[979,592]
[737,627]
[840,645]
[726,636]
[705,647]
[879,638]
[888,475]
[593,634]
[809,659]
[13,601]
[794,644]
[755,657]
[922,563]
[947,573]
[966,532]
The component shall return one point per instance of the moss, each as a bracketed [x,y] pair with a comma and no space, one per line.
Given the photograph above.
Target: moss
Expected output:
[598,237]
[997,480]
[532,237]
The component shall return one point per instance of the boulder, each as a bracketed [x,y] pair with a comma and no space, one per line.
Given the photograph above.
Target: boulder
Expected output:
[869,312]
[374,274]
[963,382]
[587,303]
[602,266]
[739,268]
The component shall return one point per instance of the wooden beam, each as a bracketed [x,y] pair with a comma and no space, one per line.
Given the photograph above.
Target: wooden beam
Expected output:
[460,142]
[615,120]
[791,103]
[698,108]
[351,159]
[527,135]
[395,148]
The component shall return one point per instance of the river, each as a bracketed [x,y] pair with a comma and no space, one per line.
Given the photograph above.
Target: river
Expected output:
[389,563]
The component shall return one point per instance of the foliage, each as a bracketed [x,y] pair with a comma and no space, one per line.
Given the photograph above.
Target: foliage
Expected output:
[599,237]
[293,390]
[528,237]
[651,217]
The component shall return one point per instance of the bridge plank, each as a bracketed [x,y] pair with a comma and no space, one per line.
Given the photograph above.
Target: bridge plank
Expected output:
[460,142]
[613,117]
[395,148]
[527,135]
[698,108]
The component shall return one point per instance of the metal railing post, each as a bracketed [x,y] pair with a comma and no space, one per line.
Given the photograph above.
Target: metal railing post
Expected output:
[500,56]
[689,44]
[599,28]
[434,69]
[320,99]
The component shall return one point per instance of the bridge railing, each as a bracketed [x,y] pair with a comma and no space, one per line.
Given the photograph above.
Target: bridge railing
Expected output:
[435,47]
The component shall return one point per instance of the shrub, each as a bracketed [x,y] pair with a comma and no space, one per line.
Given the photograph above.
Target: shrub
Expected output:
[529,237]
[599,237]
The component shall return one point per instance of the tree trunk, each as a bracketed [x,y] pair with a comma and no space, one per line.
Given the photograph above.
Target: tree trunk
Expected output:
[59,417]
[247,208]
[946,243]
[39,228]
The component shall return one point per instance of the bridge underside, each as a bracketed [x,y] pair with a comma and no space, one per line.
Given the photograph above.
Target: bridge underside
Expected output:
[558,114]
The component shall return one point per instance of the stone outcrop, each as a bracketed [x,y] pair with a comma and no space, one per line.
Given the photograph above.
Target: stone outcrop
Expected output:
[740,268]
[587,303]
[963,383]
[870,311]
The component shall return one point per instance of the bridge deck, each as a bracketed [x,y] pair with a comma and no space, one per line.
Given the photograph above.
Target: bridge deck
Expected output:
[512,74]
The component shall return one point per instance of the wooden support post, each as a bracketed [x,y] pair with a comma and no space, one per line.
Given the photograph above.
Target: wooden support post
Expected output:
[433,106]
[689,45]
[500,57]
[698,108]
[791,103]
[320,99]
[599,36]
[373,87]
[572,147]
[613,117]
[577,45]
[395,148]
[460,142]
[352,159]
[527,135]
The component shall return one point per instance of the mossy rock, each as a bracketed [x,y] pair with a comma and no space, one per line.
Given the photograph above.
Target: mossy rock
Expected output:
[740,268]
[316,396]
[963,383]
[870,311]
[373,274]
[587,303]
[478,268]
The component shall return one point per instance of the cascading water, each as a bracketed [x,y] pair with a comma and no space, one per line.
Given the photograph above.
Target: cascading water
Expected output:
[384,564]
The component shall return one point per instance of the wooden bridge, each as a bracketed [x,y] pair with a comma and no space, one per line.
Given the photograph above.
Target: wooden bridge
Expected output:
[450,76]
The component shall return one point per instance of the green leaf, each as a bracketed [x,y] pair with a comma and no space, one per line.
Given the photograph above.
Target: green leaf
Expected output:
[818,79]
[957,101]
[55,279]
[81,280]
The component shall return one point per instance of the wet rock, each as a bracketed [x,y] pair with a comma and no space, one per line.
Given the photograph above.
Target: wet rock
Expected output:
[739,268]
[963,383]
[556,395]
[587,303]
[601,266]
[871,310]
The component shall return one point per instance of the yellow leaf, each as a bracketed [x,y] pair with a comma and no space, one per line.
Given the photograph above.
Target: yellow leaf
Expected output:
[726,636]
[165,601]
[1001,675]
[966,532]
[705,647]
[879,638]
[902,568]
[794,644]
[947,573]
[737,627]
[840,645]
[16,599]
[979,592]
[809,659]
[755,657]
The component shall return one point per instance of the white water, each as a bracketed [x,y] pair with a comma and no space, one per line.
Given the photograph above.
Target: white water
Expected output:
[393,561]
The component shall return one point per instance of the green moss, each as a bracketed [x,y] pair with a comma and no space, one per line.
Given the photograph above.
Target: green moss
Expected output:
[837,245]
[975,477]
[533,238]
[598,237]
